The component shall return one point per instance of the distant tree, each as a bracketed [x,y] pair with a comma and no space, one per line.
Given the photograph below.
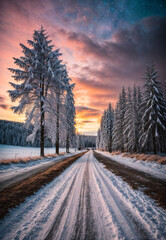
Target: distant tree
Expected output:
[104,135]
[81,142]
[98,139]
[154,108]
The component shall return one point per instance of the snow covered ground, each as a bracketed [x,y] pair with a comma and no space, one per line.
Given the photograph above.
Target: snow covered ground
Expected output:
[14,152]
[155,169]
[86,201]
[15,172]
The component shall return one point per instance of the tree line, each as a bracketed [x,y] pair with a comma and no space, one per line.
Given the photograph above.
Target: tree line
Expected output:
[138,123]
[44,92]
[15,133]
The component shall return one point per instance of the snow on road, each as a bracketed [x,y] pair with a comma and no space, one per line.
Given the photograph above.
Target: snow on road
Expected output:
[86,202]
[154,169]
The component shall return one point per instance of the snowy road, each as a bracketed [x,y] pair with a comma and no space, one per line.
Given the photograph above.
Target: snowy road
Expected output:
[86,201]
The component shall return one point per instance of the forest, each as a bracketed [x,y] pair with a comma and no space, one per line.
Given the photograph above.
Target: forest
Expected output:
[15,133]
[138,123]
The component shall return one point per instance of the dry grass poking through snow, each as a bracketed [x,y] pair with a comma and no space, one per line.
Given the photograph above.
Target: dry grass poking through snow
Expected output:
[27,159]
[146,157]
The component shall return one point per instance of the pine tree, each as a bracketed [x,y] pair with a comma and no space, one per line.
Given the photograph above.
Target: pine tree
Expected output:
[128,130]
[70,116]
[154,109]
[118,125]
[35,77]
[56,118]
[139,117]
[109,126]
[131,121]
[116,135]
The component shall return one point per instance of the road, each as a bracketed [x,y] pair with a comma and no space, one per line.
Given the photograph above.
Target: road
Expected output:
[86,201]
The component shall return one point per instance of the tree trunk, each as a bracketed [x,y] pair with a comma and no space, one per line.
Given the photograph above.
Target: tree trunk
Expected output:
[42,120]
[67,142]
[57,128]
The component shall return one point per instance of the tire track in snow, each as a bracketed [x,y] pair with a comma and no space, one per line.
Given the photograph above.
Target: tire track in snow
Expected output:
[153,187]
[66,225]
[34,218]
[61,211]
[133,220]
[116,222]
[85,228]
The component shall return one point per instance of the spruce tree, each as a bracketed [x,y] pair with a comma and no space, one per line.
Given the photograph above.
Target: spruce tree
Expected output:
[70,117]
[117,130]
[154,109]
[35,78]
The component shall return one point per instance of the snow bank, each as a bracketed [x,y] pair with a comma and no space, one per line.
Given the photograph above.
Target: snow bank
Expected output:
[152,168]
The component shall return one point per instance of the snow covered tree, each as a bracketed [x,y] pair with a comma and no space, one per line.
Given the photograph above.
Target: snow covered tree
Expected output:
[139,117]
[117,131]
[122,109]
[80,140]
[35,80]
[154,109]
[43,89]
[131,121]
[56,118]
[128,130]
[109,127]
[70,117]
[104,136]
[118,125]
[98,139]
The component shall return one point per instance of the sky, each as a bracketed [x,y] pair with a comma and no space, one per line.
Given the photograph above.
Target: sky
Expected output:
[106,44]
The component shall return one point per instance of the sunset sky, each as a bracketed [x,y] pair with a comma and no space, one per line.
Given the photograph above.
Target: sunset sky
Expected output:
[105,44]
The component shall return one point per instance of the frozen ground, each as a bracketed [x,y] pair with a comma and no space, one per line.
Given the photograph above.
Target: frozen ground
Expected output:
[86,201]
[155,169]
[13,152]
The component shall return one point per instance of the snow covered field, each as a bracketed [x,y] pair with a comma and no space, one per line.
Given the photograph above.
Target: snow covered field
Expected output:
[13,152]
[86,201]
[152,168]
[15,172]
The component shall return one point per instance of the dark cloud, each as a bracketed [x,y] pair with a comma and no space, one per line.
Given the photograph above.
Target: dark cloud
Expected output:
[4,106]
[86,121]
[86,111]
[2,99]
[123,60]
